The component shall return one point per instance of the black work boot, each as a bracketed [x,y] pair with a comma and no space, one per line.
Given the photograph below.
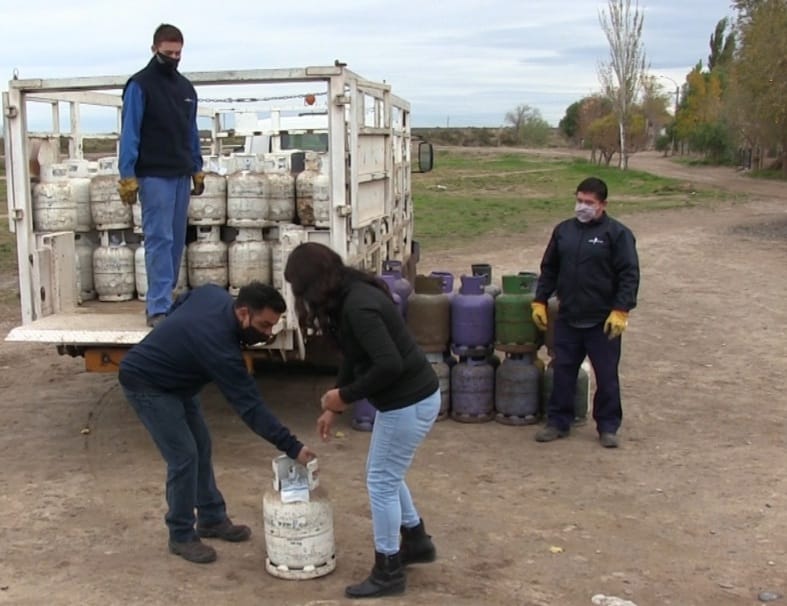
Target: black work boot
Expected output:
[387,578]
[417,546]
[194,551]
[225,530]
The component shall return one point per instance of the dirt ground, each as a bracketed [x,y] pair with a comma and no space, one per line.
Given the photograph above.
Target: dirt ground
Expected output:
[691,510]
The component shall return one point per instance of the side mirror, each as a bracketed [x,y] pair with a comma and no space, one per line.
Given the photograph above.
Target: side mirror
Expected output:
[425,157]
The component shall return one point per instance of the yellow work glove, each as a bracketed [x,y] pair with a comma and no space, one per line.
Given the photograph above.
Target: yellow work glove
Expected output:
[128,188]
[616,323]
[199,183]
[539,315]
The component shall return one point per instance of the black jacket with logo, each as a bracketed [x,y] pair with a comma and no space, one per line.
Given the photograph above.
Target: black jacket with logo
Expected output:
[592,267]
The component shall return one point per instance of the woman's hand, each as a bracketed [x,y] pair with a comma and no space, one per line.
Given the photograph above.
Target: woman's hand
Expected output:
[325,424]
[331,400]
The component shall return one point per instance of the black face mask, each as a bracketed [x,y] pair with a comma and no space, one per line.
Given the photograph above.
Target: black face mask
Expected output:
[252,336]
[167,64]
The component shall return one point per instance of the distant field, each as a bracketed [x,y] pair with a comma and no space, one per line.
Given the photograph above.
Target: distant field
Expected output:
[472,192]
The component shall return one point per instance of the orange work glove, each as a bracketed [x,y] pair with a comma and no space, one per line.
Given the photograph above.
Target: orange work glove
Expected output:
[616,323]
[198,179]
[539,315]
[127,189]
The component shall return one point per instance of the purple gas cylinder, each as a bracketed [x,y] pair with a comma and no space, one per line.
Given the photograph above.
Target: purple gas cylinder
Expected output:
[402,285]
[390,282]
[363,415]
[472,391]
[472,314]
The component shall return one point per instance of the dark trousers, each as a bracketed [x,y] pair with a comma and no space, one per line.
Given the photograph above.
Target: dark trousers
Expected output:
[571,346]
[181,435]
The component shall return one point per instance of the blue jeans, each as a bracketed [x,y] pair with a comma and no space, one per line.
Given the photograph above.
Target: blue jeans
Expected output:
[179,430]
[571,346]
[395,437]
[165,207]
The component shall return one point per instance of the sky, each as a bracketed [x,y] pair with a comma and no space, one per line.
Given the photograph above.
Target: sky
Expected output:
[458,62]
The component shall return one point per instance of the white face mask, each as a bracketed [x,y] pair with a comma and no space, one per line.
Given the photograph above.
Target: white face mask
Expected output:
[585,213]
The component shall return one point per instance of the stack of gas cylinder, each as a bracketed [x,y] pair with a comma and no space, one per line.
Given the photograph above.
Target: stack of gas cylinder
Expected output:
[482,344]
[234,225]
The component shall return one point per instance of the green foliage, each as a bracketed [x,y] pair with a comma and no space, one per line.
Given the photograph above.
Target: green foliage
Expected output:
[528,127]
[569,124]
[713,139]
[663,143]
[722,47]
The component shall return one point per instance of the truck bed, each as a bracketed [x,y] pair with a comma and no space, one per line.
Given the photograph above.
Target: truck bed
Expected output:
[92,323]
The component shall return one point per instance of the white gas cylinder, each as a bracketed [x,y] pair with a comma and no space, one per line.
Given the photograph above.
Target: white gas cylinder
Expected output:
[246,202]
[140,272]
[298,522]
[107,210]
[279,192]
[249,259]
[210,208]
[84,247]
[313,193]
[207,258]
[80,172]
[113,268]
[54,208]
[182,283]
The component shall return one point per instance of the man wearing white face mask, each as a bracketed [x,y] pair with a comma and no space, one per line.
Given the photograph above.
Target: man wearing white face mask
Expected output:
[591,264]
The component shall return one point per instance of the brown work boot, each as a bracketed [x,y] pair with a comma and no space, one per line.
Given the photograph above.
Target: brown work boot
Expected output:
[194,551]
[225,530]
[549,433]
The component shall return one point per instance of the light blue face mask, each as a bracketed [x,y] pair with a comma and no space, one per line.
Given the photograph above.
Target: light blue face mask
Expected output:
[585,213]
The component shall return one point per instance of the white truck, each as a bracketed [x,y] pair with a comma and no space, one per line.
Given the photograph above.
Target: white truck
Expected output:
[359,127]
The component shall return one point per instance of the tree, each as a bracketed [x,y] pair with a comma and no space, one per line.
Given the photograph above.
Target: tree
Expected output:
[569,124]
[528,125]
[760,72]
[722,48]
[591,109]
[621,76]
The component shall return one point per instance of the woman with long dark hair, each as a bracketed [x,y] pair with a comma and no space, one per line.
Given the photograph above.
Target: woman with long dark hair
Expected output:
[382,363]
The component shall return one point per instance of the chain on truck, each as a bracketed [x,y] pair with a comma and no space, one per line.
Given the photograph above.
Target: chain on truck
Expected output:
[326,126]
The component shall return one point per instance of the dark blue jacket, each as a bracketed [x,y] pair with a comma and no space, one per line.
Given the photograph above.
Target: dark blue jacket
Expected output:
[200,342]
[592,267]
[159,135]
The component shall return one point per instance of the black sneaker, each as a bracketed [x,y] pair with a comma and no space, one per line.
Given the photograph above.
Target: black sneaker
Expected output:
[226,530]
[550,433]
[194,551]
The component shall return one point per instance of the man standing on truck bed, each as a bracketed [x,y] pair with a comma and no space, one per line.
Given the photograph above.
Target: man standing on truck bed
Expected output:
[159,156]
[200,342]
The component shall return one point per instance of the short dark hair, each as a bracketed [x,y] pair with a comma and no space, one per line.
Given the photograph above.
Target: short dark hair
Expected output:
[594,185]
[167,33]
[258,296]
